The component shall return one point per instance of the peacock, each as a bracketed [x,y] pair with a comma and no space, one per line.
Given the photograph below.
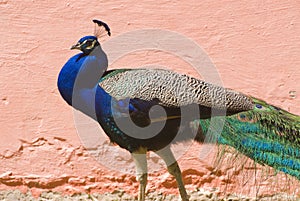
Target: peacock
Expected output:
[142,110]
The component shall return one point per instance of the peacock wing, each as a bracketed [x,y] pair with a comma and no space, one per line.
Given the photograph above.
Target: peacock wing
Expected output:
[172,90]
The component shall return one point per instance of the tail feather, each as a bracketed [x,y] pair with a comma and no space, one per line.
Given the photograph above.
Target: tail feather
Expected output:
[266,134]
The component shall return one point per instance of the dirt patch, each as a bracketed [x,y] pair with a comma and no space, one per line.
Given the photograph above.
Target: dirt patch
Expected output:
[15,195]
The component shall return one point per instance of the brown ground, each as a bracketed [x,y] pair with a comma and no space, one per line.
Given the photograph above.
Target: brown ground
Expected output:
[16,195]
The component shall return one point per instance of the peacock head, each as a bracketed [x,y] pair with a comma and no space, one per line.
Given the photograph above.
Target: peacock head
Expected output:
[86,44]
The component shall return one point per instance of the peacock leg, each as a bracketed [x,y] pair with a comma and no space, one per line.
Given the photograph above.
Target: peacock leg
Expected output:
[140,161]
[173,168]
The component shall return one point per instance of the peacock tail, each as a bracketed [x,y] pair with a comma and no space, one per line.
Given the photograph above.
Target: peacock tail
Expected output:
[267,134]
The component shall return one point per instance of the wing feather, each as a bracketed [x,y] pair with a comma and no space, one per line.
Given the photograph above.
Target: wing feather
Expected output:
[172,89]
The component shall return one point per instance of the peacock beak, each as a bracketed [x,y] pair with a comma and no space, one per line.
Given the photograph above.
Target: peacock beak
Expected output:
[77,46]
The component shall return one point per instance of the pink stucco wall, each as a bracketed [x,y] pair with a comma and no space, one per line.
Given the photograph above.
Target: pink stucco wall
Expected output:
[255,46]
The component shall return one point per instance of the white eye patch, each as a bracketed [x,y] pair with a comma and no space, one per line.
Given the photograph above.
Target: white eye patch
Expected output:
[90,46]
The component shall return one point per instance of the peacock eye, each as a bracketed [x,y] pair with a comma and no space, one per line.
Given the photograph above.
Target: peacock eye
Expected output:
[89,43]
[243,116]
[258,106]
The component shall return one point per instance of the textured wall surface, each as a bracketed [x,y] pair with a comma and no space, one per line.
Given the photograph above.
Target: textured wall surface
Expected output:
[255,46]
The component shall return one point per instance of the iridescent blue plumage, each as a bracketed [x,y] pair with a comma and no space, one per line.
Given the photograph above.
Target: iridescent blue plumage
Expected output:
[260,131]
[77,81]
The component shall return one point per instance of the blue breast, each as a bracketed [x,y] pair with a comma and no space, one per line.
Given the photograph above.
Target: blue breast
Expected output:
[67,76]
[78,79]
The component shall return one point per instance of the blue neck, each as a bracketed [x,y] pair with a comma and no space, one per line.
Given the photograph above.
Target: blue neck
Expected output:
[79,78]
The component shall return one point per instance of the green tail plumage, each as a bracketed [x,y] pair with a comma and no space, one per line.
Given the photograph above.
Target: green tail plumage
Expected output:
[266,134]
